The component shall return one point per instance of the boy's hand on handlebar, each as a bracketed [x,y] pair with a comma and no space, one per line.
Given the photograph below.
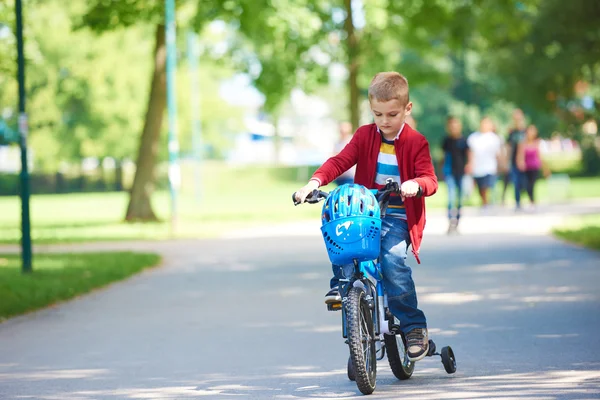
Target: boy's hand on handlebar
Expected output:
[409,189]
[306,190]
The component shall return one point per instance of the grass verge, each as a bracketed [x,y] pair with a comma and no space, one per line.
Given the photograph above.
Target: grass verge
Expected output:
[584,231]
[60,277]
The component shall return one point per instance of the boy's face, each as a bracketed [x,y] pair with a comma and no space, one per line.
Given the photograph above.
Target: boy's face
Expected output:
[390,115]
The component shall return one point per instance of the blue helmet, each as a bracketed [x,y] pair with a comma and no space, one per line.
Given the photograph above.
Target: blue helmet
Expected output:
[350,200]
[351,225]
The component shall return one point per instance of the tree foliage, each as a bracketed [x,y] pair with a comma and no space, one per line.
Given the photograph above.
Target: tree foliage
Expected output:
[86,92]
[561,48]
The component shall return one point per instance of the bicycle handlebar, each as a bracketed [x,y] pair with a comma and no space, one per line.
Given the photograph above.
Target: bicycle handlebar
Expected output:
[314,197]
[382,194]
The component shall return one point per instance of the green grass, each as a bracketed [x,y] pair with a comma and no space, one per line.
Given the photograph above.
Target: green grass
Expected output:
[59,277]
[563,162]
[231,198]
[582,230]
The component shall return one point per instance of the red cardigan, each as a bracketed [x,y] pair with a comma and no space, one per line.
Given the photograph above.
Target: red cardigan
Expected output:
[414,161]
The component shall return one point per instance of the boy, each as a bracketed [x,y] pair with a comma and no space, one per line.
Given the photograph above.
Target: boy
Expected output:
[389,148]
[456,152]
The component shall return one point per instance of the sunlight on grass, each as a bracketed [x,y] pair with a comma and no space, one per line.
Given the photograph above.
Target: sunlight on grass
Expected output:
[581,230]
[59,277]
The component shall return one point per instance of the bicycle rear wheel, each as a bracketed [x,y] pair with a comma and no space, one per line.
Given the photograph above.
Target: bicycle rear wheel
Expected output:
[361,340]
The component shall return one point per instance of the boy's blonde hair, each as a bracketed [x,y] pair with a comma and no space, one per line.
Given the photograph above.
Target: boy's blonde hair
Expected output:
[387,86]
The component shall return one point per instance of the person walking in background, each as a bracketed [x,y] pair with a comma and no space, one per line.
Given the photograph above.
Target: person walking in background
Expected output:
[485,152]
[515,136]
[344,139]
[456,151]
[529,160]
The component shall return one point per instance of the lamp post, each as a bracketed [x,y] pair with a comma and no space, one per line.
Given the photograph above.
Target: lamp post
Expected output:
[26,253]
[173,144]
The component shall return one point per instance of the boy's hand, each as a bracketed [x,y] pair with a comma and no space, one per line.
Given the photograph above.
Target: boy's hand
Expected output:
[409,189]
[306,190]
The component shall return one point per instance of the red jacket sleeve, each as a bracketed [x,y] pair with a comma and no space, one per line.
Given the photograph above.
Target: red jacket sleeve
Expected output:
[338,164]
[424,171]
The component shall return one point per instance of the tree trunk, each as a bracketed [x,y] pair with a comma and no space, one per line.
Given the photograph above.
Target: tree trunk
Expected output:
[353,64]
[140,208]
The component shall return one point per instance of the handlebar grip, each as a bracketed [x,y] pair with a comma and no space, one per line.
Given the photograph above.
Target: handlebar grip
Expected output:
[294,199]
[313,197]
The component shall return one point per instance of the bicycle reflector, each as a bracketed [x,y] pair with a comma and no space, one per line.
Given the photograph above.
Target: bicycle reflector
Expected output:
[351,225]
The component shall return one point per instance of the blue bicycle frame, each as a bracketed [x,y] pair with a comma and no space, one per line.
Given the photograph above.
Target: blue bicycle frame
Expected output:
[368,275]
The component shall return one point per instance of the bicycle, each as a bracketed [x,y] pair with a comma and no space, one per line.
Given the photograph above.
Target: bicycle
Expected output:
[354,243]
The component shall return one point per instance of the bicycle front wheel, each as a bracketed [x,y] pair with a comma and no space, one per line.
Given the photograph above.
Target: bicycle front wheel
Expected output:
[361,340]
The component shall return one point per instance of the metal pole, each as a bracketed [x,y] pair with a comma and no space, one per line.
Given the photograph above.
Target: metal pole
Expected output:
[173,144]
[26,253]
[192,44]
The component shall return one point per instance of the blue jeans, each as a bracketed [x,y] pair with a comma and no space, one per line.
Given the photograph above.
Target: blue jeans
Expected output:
[454,195]
[397,276]
[516,177]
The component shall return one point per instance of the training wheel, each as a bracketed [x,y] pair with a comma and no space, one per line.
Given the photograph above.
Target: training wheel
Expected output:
[448,359]
[351,372]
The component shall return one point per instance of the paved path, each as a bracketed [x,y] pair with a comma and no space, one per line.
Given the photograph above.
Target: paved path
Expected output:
[243,317]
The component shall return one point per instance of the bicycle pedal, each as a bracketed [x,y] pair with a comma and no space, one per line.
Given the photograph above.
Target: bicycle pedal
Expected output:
[334,306]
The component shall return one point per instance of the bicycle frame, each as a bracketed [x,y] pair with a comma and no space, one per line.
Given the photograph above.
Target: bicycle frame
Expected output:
[369,275]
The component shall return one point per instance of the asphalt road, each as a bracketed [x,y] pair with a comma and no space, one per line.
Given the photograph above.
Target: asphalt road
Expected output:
[244,318]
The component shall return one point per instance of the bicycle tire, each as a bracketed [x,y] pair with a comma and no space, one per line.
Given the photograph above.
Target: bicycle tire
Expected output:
[400,365]
[361,340]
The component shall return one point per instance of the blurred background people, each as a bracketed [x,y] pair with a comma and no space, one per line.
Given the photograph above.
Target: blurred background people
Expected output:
[454,163]
[514,176]
[345,129]
[485,152]
[529,160]
[502,167]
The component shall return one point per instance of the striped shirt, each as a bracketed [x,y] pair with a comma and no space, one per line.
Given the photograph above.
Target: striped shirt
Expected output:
[387,167]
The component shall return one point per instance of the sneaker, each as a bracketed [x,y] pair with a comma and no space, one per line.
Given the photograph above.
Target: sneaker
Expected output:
[417,343]
[333,296]
[452,226]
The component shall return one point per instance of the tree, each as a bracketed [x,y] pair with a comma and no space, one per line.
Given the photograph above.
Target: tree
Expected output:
[106,15]
[278,45]
[554,66]
[77,107]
